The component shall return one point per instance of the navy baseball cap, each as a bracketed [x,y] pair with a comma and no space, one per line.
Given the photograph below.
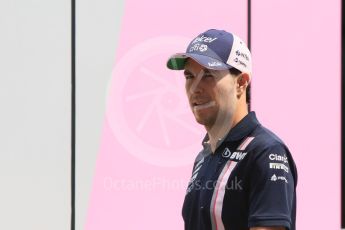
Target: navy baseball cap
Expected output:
[215,49]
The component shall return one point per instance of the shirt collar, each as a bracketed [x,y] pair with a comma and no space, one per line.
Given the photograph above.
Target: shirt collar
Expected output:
[242,129]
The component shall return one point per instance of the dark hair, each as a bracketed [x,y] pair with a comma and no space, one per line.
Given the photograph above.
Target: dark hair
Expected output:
[236,72]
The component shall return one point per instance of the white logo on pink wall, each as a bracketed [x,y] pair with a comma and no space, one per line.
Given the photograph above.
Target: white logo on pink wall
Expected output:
[147,107]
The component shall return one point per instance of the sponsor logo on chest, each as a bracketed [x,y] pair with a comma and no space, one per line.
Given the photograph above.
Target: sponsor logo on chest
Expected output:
[234,156]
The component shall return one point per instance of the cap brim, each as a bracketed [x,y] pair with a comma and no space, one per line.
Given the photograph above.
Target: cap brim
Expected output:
[178,62]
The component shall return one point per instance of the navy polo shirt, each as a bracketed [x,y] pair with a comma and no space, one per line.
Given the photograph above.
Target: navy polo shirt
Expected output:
[249,181]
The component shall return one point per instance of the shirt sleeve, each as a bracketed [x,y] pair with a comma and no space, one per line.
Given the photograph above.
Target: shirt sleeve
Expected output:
[272,188]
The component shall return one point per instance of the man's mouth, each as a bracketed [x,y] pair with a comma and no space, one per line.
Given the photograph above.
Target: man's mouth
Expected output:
[203,105]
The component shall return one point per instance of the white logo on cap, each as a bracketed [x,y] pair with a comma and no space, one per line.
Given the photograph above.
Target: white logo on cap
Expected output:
[204,39]
[203,48]
[215,63]
[194,47]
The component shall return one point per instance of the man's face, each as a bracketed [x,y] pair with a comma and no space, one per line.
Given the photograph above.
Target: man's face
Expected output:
[211,94]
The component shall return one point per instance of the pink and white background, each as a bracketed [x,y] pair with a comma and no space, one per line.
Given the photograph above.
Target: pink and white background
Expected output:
[135,137]
[149,139]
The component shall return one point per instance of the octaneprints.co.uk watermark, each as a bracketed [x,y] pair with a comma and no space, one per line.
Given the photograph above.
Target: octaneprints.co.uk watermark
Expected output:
[160,183]
[149,184]
[233,184]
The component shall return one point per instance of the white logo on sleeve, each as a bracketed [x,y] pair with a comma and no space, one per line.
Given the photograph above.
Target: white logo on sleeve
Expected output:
[276,157]
[276,178]
[279,166]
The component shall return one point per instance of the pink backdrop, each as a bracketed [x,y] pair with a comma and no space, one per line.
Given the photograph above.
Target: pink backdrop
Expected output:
[296,92]
[150,138]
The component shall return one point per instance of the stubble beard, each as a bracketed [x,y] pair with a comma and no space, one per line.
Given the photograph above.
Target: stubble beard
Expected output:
[217,120]
[223,120]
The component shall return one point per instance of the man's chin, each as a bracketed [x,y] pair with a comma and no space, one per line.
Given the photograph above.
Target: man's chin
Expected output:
[201,122]
[204,121]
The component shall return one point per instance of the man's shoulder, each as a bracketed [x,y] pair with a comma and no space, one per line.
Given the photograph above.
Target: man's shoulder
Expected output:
[264,138]
[267,147]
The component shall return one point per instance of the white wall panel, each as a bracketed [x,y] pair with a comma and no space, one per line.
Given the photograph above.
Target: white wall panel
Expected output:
[97,30]
[35,114]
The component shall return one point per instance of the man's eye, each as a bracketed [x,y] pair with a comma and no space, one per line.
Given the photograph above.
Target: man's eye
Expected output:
[188,77]
[206,75]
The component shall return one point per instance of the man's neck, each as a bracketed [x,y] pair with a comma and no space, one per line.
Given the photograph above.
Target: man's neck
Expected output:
[220,129]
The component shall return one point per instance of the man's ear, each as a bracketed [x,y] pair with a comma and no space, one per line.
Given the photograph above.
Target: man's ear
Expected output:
[242,83]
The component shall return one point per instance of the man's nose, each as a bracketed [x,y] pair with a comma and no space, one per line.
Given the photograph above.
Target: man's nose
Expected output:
[196,86]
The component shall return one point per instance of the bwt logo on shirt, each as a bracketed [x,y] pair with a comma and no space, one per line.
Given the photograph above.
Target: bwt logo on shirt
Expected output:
[233,156]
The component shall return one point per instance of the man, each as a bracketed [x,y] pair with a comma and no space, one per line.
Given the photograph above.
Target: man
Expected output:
[245,176]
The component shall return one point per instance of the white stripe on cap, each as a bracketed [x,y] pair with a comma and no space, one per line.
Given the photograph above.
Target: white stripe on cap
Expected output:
[218,196]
